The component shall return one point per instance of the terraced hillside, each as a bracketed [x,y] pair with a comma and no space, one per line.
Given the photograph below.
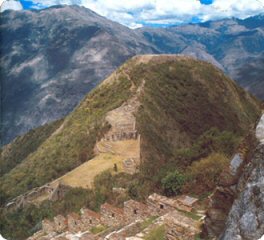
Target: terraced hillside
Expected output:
[180,100]
[161,113]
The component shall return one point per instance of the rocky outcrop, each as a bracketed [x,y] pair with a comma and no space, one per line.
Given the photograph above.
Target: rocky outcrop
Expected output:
[260,130]
[246,218]
[237,204]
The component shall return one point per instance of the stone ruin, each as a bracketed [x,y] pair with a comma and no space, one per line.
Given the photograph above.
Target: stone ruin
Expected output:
[135,210]
[179,226]
[128,218]
[112,216]
[161,205]
[90,218]
[123,122]
[131,165]
[53,193]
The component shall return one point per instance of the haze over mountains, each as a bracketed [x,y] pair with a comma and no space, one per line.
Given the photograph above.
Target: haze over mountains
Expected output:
[51,58]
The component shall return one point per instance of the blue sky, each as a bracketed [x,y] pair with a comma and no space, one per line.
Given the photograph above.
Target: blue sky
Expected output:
[137,13]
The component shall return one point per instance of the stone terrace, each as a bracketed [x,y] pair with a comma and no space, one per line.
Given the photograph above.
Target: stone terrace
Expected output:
[123,222]
[161,205]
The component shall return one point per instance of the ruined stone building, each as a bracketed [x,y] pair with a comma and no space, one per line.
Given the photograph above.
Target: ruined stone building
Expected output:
[53,193]
[60,223]
[48,226]
[179,226]
[135,210]
[123,122]
[131,165]
[74,223]
[112,216]
[127,220]
[90,218]
[160,205]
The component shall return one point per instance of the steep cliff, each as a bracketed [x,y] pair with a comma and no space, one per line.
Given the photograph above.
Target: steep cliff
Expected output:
[246,218]
[237,205]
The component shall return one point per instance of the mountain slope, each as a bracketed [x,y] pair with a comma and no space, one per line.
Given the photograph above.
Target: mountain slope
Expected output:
[230,44]
[191,97]
[250,75]
[51,58]
[13,153]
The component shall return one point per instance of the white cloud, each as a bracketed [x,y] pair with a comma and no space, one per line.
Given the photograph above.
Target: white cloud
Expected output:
[134,13]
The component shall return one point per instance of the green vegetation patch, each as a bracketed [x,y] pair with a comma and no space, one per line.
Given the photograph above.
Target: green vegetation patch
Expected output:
[157,233]
[98,229]
[147,222]
[15,152]
[70,146]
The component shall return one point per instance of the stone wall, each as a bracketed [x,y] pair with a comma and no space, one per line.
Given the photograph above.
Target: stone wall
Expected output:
[134,210]
[128,217]
[131,165]
[112,216]
[121,135]
[160,205]
[180,227]
[74,223]
[48,226]
[123,233]
[127,220]
[54,193]
[90,218]
[61,223]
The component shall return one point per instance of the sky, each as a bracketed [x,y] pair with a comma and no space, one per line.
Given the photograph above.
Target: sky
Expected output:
[138,13]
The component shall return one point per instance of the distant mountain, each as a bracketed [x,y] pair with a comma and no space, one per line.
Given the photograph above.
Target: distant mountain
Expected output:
[51,58]
[230,44]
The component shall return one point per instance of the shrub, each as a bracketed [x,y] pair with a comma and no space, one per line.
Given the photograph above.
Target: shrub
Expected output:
[209,142]
[172,183]
[204,174]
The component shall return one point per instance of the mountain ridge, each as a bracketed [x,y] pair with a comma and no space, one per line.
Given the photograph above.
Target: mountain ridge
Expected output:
[159,114]
[73,58]
[87,114]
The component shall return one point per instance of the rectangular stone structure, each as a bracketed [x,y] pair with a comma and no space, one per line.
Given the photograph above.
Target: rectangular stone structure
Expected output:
[112,216]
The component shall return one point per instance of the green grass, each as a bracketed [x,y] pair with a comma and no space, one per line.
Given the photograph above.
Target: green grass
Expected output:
[98,229]
[191,98]
[72,145]
[15,152]
[147,222]
[157,233]
[191,215]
